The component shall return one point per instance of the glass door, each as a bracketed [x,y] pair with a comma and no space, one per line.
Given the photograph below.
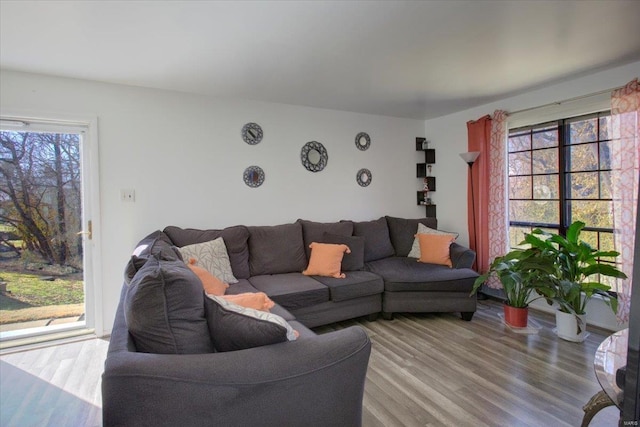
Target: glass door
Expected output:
[44,230]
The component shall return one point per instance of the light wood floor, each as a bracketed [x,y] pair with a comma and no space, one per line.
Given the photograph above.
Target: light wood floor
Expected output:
[437,370]
[53,386]
[425,370]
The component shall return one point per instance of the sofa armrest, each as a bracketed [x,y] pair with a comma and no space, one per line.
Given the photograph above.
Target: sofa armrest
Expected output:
[311,381]
[461,257]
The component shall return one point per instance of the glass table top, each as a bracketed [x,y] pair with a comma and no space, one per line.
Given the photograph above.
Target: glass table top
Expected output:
[611,355]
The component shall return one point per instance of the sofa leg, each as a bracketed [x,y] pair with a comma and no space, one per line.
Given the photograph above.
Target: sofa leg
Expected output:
[372,317]
[387,316]
[467,315]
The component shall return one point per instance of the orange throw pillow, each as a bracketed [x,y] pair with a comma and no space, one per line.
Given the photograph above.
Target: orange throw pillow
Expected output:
[326,260]
[434,248]
[211,284]
[255,300]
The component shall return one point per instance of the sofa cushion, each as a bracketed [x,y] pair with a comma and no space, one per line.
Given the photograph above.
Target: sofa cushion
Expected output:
[424,229]
[326,260]
[164,309]
[242,286]
[235,239]
[406,274]
[212,256]
[402,232]
[355,284]
[434,248]
[210,283]
[351,261]
[156,243]
[255,300]
[314,231]
[291,290]
[276,249]
[377,244]
[233,327]
[245,286]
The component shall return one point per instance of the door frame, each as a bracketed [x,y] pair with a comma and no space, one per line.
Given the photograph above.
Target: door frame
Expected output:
[90,165]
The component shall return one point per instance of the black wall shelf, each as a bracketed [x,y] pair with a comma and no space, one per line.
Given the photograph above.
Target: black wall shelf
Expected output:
[431,181]
[420,197]
[422,172]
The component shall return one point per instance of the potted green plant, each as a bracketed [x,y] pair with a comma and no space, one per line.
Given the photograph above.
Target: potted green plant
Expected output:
[574,277]
[519,272]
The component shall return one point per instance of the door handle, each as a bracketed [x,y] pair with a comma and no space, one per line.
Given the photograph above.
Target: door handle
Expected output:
[88,232]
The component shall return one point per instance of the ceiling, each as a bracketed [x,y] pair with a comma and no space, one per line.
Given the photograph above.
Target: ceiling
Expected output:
[413,59]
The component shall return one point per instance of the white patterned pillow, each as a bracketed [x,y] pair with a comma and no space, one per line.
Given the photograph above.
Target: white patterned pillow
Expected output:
[423,229]
[233,327]
[212,256]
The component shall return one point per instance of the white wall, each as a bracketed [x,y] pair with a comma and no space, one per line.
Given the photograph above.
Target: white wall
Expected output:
[448,135]
[184,156]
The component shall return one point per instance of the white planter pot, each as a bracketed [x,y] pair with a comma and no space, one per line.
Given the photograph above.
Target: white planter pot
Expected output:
[571,327]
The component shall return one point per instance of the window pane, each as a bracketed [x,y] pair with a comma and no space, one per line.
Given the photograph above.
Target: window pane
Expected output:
[583,131]
[550,230]
[520,187]
[583,185]
[611,282]
[520,143]
[606,130]
[534,211]
[606,242]
[594,213]
[545,187]
[516,235]
[545,161]
[548,138]
[602,241]
[590,237]
[583,157]
[605,155]
[520,163]
[605,185]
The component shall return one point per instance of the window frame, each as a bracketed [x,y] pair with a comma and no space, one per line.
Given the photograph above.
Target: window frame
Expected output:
[564,172]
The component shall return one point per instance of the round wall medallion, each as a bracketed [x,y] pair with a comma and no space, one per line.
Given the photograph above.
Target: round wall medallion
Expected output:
[314,156]
[252,133]
[363,141]
[253,176]
[363,177]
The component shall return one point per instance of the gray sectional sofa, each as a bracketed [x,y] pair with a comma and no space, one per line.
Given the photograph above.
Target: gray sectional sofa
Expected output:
[315,380]
[270,259]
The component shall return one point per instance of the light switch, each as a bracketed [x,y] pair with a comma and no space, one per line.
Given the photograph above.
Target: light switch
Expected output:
[128,195]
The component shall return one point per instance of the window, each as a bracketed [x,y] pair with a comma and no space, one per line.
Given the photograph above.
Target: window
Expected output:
[560,172]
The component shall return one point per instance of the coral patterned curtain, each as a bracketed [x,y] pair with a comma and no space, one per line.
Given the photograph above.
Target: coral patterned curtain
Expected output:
[625,174]
[488,236]
[498,224]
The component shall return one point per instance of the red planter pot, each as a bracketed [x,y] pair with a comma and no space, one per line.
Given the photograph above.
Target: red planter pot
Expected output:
[516,317]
